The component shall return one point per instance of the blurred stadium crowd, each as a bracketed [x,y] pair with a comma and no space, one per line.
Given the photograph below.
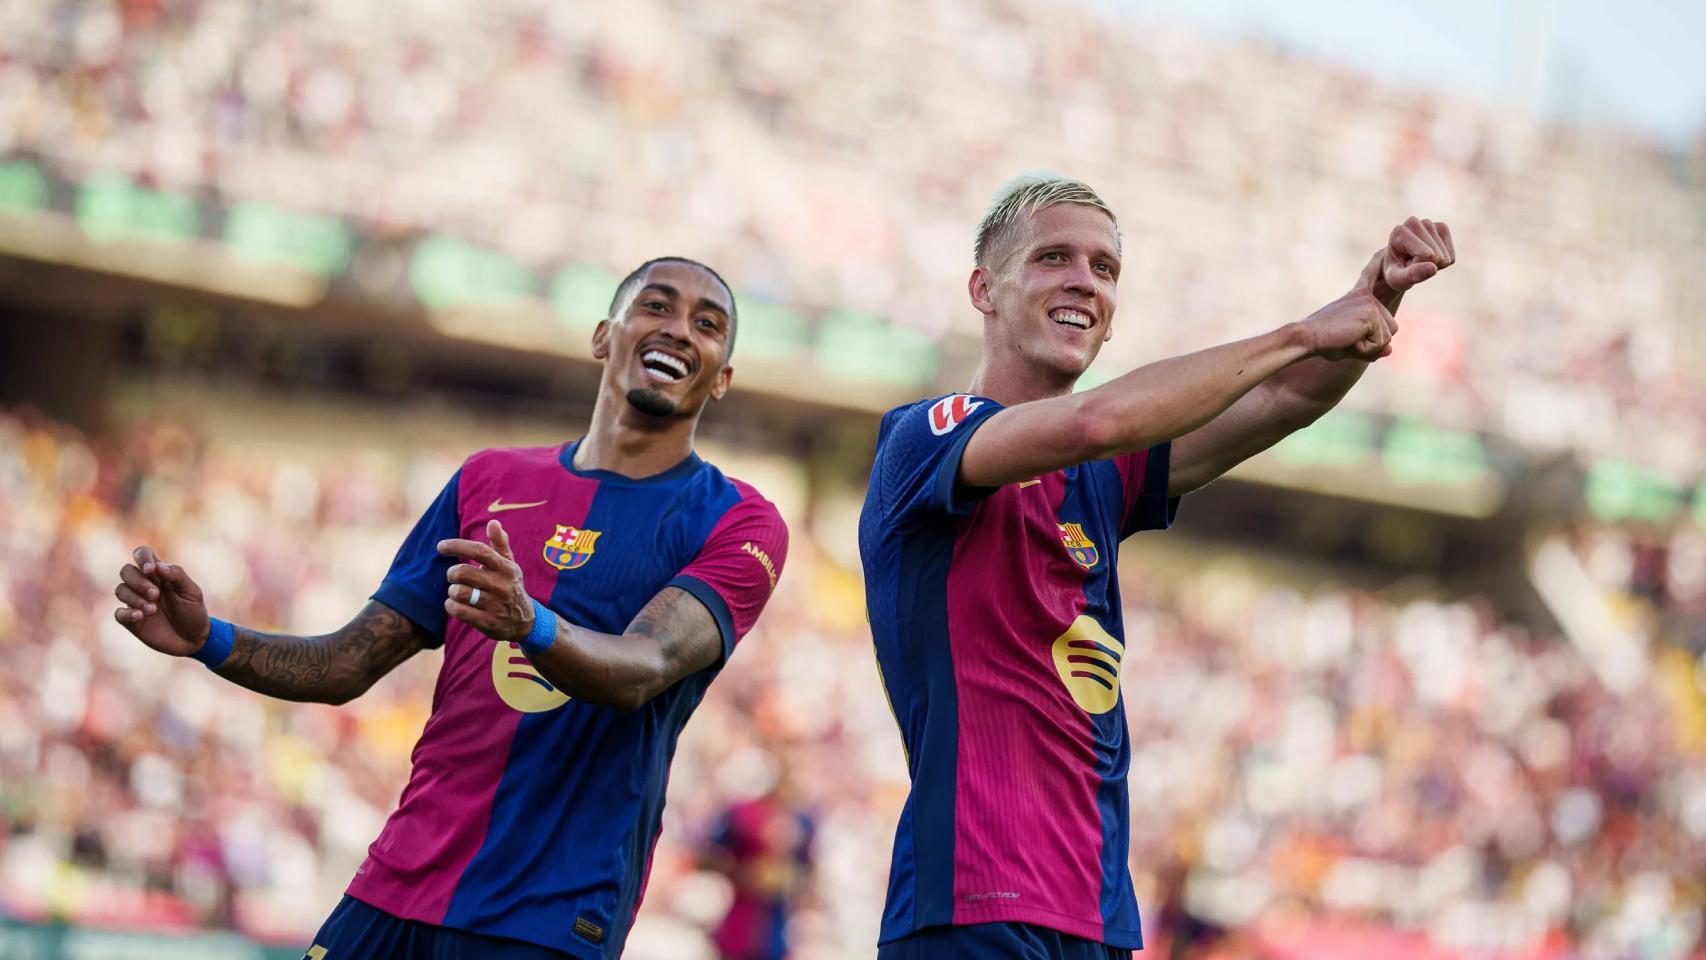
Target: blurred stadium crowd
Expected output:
[1410,762]
[837,155]
[1403,761]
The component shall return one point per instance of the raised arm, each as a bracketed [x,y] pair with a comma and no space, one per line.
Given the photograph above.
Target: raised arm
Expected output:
[166,610]
[1163,400]
[1302,393]
[673,636]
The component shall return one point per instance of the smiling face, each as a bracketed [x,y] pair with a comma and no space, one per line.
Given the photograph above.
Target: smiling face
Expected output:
[666,345]
[1048,290]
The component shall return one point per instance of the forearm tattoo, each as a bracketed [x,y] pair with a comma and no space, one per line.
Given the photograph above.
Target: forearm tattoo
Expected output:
[332,668]
[683,629]
[672,636]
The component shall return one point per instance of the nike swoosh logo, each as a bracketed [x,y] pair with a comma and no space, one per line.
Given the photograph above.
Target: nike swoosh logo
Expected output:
[498,505]
[1028,483]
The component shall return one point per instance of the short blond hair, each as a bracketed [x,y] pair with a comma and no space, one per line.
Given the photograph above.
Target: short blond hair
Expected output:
[1024,195]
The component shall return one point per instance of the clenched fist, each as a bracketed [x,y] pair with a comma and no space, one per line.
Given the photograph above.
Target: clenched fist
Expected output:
[1416,251]
[1354,327]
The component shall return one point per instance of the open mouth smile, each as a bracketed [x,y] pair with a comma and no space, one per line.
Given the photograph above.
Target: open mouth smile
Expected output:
[664,366]
[1068,317]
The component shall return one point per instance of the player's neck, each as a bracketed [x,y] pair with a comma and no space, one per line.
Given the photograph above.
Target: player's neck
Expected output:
[1011,380]
[624,441]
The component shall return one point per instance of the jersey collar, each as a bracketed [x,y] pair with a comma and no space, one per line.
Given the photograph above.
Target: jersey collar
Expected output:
[680,471]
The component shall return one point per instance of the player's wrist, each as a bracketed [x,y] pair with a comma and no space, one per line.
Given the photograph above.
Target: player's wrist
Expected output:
[216,646]
[1385,292]
[1299,341]
[543,632]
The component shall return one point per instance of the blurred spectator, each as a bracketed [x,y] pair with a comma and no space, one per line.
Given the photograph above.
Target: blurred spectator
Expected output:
[1312,761]
[838,158]
[1402,762]
[763,846]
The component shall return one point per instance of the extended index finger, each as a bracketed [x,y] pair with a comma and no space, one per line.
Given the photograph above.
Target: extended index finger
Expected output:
[144,555]
[500,538]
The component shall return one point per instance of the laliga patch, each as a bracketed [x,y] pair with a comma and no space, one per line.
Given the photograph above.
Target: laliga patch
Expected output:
[950,412]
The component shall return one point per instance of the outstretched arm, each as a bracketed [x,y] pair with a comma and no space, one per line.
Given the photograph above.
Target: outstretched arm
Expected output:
[673,636]
[165,609]
[1302,393]
[1163,400]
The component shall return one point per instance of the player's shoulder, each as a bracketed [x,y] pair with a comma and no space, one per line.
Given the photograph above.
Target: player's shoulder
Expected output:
[940,415]
[918,408]
[723,494]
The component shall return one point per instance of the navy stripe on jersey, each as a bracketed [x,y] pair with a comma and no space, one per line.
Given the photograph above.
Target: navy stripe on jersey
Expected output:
[418,563]
[559,833]
[1102,595]
[919,491]
[930,832]
[1154,510]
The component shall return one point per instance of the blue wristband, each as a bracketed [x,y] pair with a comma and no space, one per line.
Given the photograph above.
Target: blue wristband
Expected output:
[221,636]
[544,632]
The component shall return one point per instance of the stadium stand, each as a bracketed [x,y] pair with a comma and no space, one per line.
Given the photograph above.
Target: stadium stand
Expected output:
[831,164]
[1392,757]
[1331,761]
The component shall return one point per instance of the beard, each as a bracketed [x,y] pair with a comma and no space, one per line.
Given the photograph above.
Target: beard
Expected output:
[651,402]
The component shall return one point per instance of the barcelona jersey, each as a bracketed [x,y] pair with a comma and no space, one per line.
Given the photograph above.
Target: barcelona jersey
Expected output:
[528,814]
[997,622]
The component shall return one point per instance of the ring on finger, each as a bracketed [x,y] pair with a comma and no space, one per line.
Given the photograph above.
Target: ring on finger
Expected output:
[474,598]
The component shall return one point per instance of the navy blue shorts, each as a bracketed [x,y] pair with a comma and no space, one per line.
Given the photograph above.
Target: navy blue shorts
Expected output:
[356,931]
[996,941]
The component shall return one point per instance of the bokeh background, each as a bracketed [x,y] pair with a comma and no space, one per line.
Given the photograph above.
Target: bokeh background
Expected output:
[1424,681]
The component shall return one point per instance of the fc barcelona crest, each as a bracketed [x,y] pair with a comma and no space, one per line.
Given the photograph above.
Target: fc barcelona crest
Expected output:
[570,547]
[1079,544]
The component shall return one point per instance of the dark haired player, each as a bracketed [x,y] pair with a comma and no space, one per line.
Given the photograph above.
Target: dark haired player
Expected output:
[585,596]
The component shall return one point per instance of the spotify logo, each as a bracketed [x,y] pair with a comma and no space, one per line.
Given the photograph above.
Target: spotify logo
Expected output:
[1088,660]
[518,681]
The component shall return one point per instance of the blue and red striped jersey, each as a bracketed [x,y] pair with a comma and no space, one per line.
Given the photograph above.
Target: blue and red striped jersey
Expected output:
[997,621]
[529,814]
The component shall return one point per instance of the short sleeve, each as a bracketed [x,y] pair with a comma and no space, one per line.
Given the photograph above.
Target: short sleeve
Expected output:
[415,584]
[918,457]
[1143,483]
[736,570]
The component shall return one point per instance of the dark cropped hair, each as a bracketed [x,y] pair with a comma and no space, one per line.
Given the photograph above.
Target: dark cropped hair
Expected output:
[625,289]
